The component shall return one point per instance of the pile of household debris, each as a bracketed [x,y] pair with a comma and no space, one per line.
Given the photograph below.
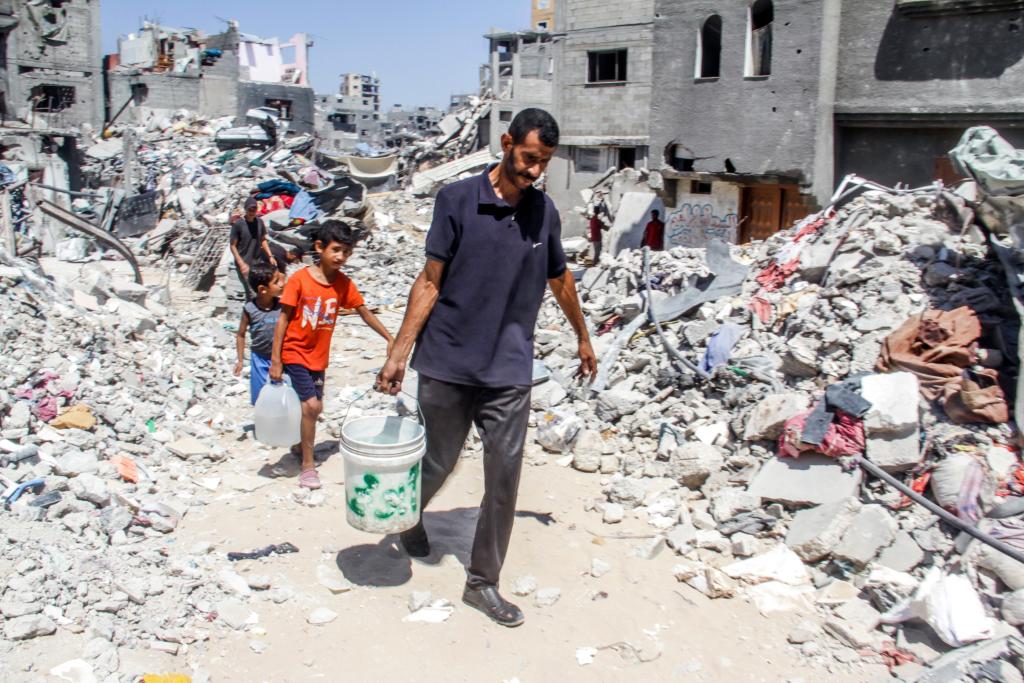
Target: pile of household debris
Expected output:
[782,414]
[169,191]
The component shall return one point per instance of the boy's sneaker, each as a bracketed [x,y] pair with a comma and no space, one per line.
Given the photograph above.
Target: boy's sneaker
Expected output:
[309,479]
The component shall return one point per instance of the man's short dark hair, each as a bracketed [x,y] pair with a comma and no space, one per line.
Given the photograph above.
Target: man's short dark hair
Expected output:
[333,230]
[260,275]
[533,119]
[251,203]
[654,212]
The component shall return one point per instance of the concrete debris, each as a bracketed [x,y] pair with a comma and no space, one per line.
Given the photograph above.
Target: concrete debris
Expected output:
[99,370]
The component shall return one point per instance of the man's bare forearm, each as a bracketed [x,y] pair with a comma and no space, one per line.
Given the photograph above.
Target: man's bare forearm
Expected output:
[564,289]
[422,298]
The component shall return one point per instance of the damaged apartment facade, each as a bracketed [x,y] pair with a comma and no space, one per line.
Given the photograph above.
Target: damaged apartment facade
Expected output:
[161,69]
[754,110]
[602,94]
[352,115]
[51,85]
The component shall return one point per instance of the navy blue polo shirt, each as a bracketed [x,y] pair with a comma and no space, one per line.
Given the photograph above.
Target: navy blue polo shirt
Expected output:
[498,259]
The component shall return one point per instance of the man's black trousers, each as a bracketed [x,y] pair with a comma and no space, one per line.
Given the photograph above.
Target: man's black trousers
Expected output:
[501,416]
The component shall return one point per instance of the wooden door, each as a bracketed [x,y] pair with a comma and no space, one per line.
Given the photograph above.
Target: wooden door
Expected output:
[762,212]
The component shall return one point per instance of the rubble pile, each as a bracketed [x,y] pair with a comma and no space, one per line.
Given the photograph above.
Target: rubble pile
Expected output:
[111,403]
[458,136]
[191,185]
[704,433]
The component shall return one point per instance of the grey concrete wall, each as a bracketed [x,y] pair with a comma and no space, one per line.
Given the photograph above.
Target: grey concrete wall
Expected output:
[76,62]
[954,62]
[165,93]
[907,87]
[254,94]
[218,87]
[598,114]
[763,125]
[891,155]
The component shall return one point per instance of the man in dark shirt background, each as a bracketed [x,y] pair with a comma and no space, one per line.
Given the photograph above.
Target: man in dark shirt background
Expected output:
[654,233]
[249,244]
[493,247]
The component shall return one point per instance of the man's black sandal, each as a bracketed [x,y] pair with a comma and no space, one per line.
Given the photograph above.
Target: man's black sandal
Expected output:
[490,602]
[415,542]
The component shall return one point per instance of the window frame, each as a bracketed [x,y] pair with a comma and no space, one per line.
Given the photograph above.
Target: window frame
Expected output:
[621,67]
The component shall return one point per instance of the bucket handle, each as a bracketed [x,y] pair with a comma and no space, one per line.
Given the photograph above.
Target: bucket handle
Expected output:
[360,397]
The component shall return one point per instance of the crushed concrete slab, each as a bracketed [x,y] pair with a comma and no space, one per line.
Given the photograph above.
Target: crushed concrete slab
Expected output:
[811,479]
[816,531]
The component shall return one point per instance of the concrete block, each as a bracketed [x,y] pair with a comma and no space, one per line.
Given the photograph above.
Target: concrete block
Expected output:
[891,426]
[693,462]
[894,401]
[770,414]
[871,530]
[903,555]
[811,479]
[814,532]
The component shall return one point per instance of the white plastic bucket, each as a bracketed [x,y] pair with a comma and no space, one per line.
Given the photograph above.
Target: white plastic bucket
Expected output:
[382,457]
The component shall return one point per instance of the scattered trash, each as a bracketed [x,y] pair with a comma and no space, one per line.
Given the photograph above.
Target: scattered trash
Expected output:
[276,549]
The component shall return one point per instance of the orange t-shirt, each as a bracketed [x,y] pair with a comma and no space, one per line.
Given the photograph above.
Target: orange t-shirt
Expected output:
[307,340]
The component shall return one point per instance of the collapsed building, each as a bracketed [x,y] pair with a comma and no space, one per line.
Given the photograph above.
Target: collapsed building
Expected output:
[161,69]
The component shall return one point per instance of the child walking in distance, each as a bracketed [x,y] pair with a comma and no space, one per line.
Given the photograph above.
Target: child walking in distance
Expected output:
[259,317]
[302,339]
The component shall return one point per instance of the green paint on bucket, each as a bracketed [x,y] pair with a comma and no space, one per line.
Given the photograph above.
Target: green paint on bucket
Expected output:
[382,472]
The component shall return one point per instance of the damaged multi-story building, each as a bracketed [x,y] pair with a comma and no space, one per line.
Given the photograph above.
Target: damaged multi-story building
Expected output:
[51,63]
[761,107]
[161,69]
[518,74]
[754,110]
[51,91]
[352,115]
[602,93]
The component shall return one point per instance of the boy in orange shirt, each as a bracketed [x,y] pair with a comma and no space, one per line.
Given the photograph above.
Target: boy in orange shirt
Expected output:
[310,304]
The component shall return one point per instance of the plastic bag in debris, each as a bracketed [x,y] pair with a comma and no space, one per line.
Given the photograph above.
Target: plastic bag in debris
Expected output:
[557,430]
[949,604]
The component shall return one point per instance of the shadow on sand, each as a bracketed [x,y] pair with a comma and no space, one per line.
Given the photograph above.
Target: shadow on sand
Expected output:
[385,563]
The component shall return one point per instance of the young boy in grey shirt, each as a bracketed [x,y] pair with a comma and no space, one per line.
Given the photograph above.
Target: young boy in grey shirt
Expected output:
[259,317]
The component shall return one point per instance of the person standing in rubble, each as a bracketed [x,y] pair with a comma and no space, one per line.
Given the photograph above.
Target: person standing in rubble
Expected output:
[654,233]
[249,244]
[493,244]
[597,227]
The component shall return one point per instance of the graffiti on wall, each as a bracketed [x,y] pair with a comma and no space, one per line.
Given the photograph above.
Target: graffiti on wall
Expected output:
[695,224]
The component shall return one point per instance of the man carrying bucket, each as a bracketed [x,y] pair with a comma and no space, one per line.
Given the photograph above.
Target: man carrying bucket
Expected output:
[494,242]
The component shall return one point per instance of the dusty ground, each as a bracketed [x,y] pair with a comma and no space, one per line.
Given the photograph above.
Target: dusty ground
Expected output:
[636,611]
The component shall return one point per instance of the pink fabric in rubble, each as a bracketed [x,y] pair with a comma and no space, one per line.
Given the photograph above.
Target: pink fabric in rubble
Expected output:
[845,436]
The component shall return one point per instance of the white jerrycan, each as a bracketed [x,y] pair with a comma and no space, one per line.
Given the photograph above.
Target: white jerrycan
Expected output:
[278,414]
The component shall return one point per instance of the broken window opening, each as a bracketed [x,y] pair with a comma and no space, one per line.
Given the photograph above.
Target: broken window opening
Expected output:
[542,26]
[709,48]
[283,107]
[699,187]
[607,67]
[52,98]
[627,157]
[588,159]
[759,39]
[505,115]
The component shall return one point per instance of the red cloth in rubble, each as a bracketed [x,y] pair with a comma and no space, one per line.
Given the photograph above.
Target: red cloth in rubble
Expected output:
[845,436]
[275,203]
[761,308]
[774,276]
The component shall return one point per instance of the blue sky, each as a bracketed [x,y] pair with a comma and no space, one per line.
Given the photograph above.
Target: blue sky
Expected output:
[423,51]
